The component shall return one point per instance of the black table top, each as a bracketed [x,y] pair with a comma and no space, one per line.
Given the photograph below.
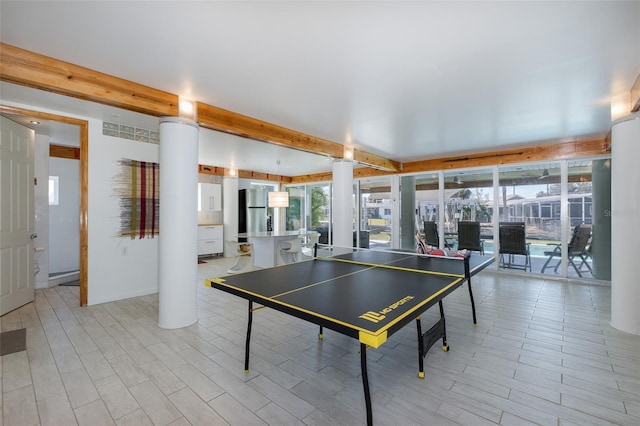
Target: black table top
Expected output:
[365,294]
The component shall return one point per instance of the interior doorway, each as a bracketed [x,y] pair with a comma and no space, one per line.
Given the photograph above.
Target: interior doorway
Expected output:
[84,169]
[57,211]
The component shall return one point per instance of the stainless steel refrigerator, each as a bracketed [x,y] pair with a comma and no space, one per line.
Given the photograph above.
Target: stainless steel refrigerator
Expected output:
[252,210]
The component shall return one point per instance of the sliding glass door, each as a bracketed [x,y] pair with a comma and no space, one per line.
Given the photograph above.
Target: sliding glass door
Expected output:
[468,197]
[531,195]
[310,209]
[295,215]
[375,217]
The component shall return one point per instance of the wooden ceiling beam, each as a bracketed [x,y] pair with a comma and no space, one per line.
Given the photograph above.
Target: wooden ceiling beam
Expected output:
[61,151]
[222,120]
[548,152]
[311,178]
[635,95]
[384,188]
[376,161]
[245,174]
[41,72]
[358,173]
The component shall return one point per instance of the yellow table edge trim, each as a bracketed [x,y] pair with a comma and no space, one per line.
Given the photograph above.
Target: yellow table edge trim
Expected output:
[388,266]
[374,339]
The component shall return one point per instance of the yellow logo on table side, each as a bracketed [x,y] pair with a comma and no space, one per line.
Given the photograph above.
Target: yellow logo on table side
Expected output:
[376,317]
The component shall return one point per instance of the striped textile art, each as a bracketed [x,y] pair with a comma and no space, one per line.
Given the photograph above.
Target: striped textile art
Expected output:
[138,188]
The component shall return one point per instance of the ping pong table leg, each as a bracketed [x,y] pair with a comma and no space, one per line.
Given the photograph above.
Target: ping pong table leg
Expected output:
[445,347]
[365,382]
[473,305]
[426,340]
[420,349]
[246,348]
[467,274]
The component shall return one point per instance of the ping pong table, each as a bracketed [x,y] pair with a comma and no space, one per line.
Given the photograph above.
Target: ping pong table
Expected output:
[364,294]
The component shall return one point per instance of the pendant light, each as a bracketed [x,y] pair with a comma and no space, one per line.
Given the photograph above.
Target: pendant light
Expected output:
[278,198]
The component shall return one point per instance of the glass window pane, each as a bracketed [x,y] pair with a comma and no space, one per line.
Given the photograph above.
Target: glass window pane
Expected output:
[375,213]
[426,205]
[295,213]
[426,187]
[529,194]
[468,198]
[53,190]
[319,214]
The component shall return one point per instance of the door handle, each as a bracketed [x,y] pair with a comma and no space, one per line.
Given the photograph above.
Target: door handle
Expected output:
[34,236]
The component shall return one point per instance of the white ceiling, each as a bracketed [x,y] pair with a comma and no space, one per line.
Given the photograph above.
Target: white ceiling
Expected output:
[405,80]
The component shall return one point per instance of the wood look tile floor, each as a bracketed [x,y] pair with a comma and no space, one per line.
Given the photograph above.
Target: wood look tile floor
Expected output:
[543,353]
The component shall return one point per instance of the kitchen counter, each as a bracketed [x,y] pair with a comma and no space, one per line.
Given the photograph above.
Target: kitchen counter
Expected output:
[267,244]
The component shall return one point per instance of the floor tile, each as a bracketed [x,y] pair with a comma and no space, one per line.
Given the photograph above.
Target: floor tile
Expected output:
[543,352]
[116,397]
[79,387]
[156,406]
[19,407]
[194,409]
[56,410]
[94,414]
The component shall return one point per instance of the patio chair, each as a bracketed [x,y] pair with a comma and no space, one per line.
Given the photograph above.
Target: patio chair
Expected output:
[578,249]
[431,237]
[421,246]
[587,254]
[469,236]
[513,242]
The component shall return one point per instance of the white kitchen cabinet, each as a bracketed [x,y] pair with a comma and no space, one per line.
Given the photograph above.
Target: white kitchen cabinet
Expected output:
[209,197]
[210,239]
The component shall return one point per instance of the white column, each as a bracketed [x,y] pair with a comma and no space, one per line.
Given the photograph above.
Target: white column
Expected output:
[601,244]
[565,223]
[178,252]
[230,213]
[342,211]
[442,203]
[625,232]
[408,212]
[395,211]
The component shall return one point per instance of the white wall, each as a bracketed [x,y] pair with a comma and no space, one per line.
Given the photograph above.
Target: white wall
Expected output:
[41,207]
[119,268]
[64,218]
[112,274]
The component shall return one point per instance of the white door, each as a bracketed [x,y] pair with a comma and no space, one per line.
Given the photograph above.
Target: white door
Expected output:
[16,215]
